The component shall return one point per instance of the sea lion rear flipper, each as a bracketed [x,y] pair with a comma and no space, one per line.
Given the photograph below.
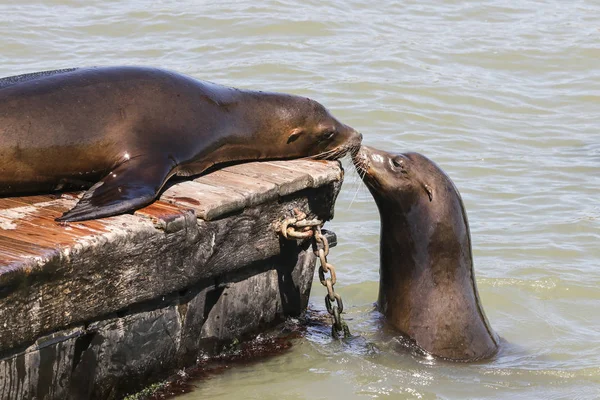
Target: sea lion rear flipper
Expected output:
[128,187]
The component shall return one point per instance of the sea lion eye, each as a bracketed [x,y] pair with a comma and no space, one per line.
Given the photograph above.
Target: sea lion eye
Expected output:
[294,134]
[328,134]
[399,165]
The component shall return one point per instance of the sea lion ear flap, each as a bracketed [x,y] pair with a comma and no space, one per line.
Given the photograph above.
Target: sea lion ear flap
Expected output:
[429,191]
[294,134]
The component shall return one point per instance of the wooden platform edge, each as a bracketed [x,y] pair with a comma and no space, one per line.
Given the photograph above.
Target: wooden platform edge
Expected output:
[57,276]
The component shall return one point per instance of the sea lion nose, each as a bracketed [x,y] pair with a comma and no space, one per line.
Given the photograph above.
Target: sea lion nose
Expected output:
[356,136]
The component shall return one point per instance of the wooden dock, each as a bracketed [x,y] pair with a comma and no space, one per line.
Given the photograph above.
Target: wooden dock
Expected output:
[99,309]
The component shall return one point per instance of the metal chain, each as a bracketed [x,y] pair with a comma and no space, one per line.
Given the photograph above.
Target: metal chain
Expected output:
[298,227]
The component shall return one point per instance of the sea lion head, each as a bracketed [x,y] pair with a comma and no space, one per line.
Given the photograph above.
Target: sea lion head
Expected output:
[311,131]
[400,180]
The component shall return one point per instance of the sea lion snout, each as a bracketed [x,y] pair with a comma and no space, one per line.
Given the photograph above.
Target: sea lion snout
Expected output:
[382,172]
[357,137]
[351,135]
[361,159]
[337,141]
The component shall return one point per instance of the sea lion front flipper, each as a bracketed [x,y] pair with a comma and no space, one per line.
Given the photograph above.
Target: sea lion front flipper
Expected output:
[128,187]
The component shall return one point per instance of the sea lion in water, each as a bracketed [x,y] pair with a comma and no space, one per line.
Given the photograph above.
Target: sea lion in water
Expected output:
[125,131]
[427,287]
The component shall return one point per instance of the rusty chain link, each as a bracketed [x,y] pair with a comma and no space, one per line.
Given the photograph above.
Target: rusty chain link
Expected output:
[298,227]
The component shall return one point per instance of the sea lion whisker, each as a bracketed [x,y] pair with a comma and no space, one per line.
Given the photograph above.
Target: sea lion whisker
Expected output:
[332,154]
[358,189]
[339,153]
[320,156]
[363,173]
[361,165]
[354,151]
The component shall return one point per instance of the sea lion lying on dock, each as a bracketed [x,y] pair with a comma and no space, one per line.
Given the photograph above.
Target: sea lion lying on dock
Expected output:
[123,132]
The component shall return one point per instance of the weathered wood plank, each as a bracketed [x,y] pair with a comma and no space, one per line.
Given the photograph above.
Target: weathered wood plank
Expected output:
[216,194]
[255,191]
[287,181]
[321,172]
[209,202]
[167,217]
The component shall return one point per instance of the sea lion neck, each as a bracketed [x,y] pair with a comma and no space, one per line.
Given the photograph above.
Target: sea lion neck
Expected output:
[420,229]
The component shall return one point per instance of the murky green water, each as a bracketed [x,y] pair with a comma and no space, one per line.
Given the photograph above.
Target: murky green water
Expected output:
[504,95]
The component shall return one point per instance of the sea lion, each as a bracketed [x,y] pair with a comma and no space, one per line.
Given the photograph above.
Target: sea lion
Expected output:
[427,287]
[125,131]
